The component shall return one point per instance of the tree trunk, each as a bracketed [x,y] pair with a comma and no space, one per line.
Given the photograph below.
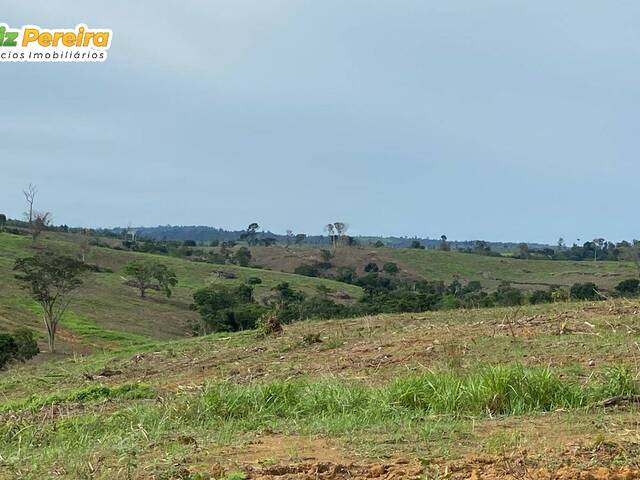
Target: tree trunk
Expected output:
[51,333]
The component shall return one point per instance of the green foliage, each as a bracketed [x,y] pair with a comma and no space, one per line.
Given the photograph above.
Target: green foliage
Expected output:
[585,291]
[541,296]
[50,278]
[8,349]
[391,268]
[242,257]
[416,244]
[227,309]
[307,270]
[147,274]
[371,267]
[3,221]
[127,391]
[26,344]
[628,288]
[508,296]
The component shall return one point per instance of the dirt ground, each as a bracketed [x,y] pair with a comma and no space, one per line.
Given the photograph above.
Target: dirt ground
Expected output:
[277,457]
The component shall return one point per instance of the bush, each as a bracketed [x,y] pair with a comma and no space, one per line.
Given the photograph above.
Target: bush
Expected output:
[507,296]
[390,268]
[540,296]
[628,288]
[26,344]
[254,281]
[8,349]
[307,270]
[371,267]
[560,295]
[584,291]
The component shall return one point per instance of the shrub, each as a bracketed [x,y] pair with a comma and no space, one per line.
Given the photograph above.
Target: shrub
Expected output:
[628,288]
[307,270]
[242,257]
[26,344]
[584,291]
[540,296]
[390,268]
[371,267]
[254,281]
[560,295]
[8,349]
[507,296]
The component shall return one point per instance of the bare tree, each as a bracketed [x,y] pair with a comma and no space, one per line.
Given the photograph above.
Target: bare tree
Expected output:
[30,196]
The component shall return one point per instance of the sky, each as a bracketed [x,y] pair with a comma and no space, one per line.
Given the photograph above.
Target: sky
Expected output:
[503,120]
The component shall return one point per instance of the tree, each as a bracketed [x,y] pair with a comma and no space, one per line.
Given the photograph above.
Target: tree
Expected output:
[251,234]
[30,196]
[341,230]
[300,237]
[289,237]
[416,244]
[561,244]
[444,245]
[242,257]
[524,250]
[331,231]
[50,279]
[151,275]
[40,221]
[3,222]
[597,244]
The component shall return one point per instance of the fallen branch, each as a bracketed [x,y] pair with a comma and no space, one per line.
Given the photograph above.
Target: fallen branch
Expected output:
[618,399]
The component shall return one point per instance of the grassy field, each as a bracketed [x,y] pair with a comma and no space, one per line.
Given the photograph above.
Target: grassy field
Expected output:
[535,392]
[437,265]
[106,313]
[490,393]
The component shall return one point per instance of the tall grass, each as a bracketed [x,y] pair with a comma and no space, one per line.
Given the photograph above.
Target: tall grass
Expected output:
[221,411]
[495,390]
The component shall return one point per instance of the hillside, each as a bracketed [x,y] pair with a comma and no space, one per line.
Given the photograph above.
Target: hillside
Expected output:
[437,265]
[489,393]
[106,311]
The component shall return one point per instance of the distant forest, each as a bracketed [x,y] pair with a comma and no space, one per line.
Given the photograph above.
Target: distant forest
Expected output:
[199,233]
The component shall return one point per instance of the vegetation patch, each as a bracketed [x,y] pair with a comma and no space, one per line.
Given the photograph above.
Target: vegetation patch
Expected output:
[94,393]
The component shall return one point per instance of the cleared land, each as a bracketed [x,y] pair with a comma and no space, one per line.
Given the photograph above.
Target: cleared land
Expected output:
[538,392]
[493,393]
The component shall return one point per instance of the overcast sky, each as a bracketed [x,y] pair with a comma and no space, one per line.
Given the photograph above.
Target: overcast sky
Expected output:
[501,120]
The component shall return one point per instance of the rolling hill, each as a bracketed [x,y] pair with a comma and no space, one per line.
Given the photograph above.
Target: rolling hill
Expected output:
[445,266]
[106,312]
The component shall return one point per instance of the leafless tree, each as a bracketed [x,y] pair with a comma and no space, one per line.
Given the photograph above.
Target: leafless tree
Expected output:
[30,196]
